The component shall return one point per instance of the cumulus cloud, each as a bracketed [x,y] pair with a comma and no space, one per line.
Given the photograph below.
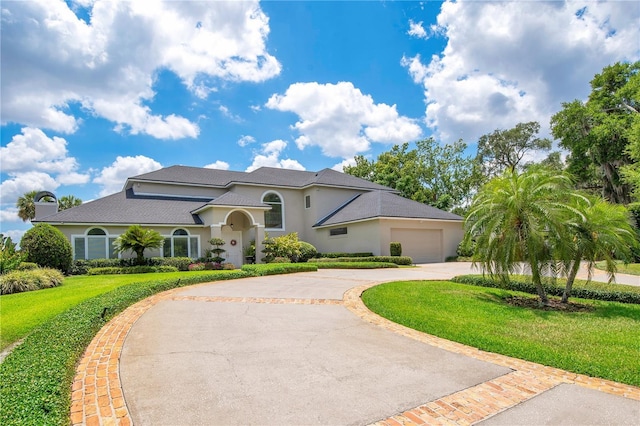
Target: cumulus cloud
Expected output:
[269,156]
[18,184]
[33,161]
[227,113]
[510,62]
[113,177]
[15,234]
[9,215]
[344,163]
[52,60]
[340,119]
[220,165]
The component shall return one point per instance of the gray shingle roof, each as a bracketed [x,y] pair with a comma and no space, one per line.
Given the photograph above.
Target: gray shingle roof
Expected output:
[383,204]
[262,176]
[126,208]
[236,200]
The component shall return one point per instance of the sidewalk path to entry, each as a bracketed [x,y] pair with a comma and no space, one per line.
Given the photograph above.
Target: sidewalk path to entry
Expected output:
[302,349]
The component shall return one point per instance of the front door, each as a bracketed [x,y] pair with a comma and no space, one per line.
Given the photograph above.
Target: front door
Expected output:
[233,252]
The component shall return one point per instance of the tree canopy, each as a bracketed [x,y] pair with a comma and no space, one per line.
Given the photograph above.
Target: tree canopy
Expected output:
[506,149]
[438,175]
[596,132]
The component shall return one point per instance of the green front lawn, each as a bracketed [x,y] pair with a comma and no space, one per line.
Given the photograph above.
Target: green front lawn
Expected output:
[20,313]
[603,343]
[630,268]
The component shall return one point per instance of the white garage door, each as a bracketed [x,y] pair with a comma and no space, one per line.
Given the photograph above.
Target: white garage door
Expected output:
[423,245]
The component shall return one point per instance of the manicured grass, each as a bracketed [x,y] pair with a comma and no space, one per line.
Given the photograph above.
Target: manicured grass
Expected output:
[630,268]
[602,343]
[22,312]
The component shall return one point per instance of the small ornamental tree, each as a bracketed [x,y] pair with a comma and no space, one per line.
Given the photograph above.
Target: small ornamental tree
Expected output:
[48,247]
[217,243]
[137,239]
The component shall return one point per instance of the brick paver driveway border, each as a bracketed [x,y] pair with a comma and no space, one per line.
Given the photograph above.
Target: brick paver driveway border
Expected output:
[97,397]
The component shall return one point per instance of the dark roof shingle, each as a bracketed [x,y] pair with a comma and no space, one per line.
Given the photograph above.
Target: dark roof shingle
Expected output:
[383,204]
[126,208]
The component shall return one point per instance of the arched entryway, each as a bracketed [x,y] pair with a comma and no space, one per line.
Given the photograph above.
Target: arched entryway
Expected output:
[238,231]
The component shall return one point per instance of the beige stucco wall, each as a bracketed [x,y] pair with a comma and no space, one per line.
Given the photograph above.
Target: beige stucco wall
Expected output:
[361,237]
[375,235]
[452,232]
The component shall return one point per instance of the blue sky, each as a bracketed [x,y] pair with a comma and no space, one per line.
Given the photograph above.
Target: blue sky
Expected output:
[96,91]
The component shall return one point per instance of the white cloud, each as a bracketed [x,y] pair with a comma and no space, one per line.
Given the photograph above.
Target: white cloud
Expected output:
[510,62]
[269,156]
[51,59]
[113,177]
[33,150]
[340,119]
[246,140]
[18,184]
[346,162]
[9,215]
[417,30]
[220,165]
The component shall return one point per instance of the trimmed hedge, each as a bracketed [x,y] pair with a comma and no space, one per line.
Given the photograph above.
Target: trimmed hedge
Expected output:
[398,260]
[81,267]
[19,281]
[354,265]
[130,270]
[594,290]
[36,378]
[263,269]
[339,254]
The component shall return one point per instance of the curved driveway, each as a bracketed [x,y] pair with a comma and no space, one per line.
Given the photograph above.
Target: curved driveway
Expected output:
[288,349]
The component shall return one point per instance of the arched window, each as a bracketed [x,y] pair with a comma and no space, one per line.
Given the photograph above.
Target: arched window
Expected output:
[180,244]
[94,244]
[274,218]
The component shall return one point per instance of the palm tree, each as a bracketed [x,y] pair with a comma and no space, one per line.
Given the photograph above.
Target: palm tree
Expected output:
[137,239]
[26,206]
[68,201]
[521,217]
[603,231]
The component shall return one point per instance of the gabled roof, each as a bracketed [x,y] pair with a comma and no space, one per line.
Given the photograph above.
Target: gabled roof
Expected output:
[126,208]
[234,200]
[376,204]
[268,176]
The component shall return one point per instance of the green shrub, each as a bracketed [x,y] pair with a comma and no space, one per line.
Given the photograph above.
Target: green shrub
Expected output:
[307,251]
[130,270]
[29,280]
[48,247]
[10,259]
[597,291]
[398,260]
[466,248]
[228,266]
[26,266]
[181,263]
[286,246]
[278,268]
[281,260]
[354,265]
[339,254]
[395,248]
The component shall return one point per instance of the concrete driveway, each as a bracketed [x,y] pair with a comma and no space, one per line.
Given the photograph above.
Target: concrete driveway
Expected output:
[288,350]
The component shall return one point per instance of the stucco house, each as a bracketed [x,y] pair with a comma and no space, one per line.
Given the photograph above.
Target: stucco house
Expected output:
[333,211]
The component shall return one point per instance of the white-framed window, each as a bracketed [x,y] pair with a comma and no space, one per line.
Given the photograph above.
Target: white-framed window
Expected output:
[181,244]
[96,243]
[307,201]
[274,218]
